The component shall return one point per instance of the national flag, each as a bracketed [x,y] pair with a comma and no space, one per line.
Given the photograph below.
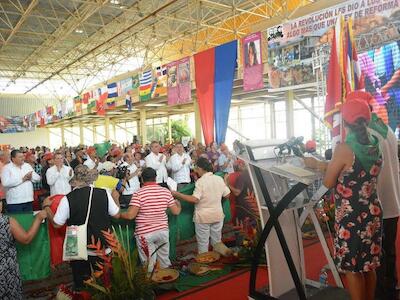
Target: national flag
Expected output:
[146,80]
[135,81]
[112,90]
[78,104]
[110,103]
[215,69]
[49,110]
[353,79]
[128,102]
[85,98]
[159,87]
[335,83]
[125,86]
[161,70]
[100,104]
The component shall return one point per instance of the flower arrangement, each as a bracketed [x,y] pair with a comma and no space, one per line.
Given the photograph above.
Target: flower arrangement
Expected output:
[119,276]
[249,230]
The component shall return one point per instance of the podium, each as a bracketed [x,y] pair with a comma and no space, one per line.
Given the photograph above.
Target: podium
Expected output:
[284,205]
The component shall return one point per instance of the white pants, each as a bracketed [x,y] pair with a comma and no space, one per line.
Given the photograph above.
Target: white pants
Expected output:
[154,240]
[206,231]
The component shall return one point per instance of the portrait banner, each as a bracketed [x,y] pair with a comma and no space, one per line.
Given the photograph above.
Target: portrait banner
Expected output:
[179,86]
[252,62]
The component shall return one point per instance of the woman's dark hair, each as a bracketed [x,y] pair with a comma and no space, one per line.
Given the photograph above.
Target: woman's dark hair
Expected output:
[252,45]
[359,127]
[204,164]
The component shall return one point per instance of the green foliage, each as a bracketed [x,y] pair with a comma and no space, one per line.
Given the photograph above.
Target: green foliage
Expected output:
[179,129]
[122,276]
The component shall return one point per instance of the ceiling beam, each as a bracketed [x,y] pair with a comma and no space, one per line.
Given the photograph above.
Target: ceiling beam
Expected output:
[74,21]
[154,13]
[17,26]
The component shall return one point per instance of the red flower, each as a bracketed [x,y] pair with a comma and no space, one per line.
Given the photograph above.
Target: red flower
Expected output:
[375,249]
[344,191]
[364,215]
[374,210]
[374,170]
[347,193]
[362,174]
[340,188]
[366,190]
[344,233]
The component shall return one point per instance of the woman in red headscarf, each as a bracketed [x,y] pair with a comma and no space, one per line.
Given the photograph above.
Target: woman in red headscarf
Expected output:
[353,173]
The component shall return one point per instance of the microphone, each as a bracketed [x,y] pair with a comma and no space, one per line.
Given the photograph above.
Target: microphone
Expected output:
[293,144]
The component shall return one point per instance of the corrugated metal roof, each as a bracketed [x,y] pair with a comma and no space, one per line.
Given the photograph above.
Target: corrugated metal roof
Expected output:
[17,105]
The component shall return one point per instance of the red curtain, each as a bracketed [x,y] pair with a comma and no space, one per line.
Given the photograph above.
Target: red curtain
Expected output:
[204,76]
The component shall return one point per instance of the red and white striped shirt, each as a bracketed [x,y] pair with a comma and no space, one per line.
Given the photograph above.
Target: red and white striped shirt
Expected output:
[153,202]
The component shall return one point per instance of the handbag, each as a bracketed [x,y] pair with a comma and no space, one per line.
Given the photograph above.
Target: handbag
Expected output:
[75,242]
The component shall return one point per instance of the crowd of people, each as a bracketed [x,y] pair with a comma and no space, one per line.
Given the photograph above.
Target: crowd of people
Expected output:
[31,178]
[363,174]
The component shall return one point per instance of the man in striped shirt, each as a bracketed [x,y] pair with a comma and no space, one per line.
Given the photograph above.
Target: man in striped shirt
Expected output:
[149,207]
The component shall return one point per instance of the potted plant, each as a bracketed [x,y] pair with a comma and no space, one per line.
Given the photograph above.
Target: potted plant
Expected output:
[120,275]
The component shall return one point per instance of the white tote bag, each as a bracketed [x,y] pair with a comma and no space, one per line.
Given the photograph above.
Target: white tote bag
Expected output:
[75,242]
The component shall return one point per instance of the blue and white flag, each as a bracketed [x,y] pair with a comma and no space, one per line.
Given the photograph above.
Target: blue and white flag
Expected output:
[112,90]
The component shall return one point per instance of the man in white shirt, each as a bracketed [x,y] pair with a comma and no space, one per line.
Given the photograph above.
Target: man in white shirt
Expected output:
[225,160]
[17,178]
[58,176]
[157,161]
[179,164]
[131,183]
[92,161]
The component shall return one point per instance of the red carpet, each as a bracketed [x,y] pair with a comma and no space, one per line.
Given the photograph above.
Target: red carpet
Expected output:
[235,285]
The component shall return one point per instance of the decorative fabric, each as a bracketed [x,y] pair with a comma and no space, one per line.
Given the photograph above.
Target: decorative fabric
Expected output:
[378,125]
[367,154]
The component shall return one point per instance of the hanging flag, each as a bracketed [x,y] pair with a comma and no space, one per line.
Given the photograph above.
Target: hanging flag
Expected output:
[179,86]
[145,79]
[159,87]
[125,86]
[101,104]
[344,76]
[352,71]
[135,82]
[335,90]
[111,103]
[85,98]
[214,80]
[112,90]
[128,102]
[252,62]
[78,105]
[135,89]
[204,77]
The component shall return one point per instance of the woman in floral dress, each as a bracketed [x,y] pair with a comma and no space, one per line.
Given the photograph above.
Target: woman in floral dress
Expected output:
[353,173]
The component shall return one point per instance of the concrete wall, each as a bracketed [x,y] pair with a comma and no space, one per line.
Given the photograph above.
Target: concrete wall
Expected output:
[38,137]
